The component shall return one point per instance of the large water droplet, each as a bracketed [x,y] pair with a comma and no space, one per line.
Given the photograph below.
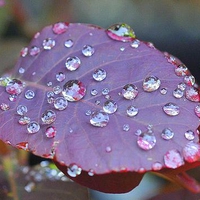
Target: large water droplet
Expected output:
[4,106]
[151,83]
[60,27]
[99,75]
[88,50]
[21,110]
[129,91]
[171,109]
[14,87]
[178,93]
[48,117]
[167,134]
[60,103]
[135,44]
[173,159]
[189,80]
[73,170]
[33,127]
[24,52]
[191,152]
[29,94]
[99,118]
[189,135]
[72,63]
[132,111]
[34,51]
[48,43]
[121,32]
[110,107]
[60,77]
[146,140]
[181,70]
[157,166]
[69,43]
[74,90]
[197,110]
[50,132]
[192,94]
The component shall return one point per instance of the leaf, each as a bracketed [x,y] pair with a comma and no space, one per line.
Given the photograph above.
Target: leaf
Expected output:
[77,83]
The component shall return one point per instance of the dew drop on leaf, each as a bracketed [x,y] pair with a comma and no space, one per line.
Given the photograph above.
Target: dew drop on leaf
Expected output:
[189,80]
[126,127]
[197,110]
[21,110]
[178,93]
[88,50]
[91,172]
[151,83]
[24,52]
[14,87]
[99,118]
[34,51]
[57,89]
[181,86]
[132,111]
[192,94]
[24,120]
[13,97]
[29,94]
[163,91]
[189,135]
[33,127]
[69,43]
[156,166]
[21,70]
[50,132]
[167,134]
[99,75]
[4,106]
[146,140]
[60,77]
[60,28]
[93,92]
[171,109]
[60,103]
[135,44]
[105,91]
[110,106]
[129,91]
[181,70]
[48,117]
[191,152]
[72,63]
[48,43]
[22,145]
[73,170]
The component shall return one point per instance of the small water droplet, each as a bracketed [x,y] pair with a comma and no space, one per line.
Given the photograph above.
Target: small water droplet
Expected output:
[146,140]
[91,172]
[126,127]
[189,135]
[94,92]
[129,91]
[50,132]
[14,87]
[197,110]
[121,32]
[24,120]
[57,89]
[107,96]
[4,106]
[157,166]
[73,170]
[97,102]
[178,93]
[99,118]
[72,63]
[181,86]
[24,52]
[105,91]
[74,90]
[99,75]
[33,127]
[163,91]
[138,132]
[21,110]
[151,83]
[191,152]
[135,44]
[171,59]
[189,80]
[88,50]
[29,94]
[110,106]
[21,70]
[22,145]
[60,103]
[192,94]
[48,117]
[12,97]
[167,134]
[50,94]
[34,51]
[48,43]
[49,84]
[60,27]
[173,159]
[122,48]
[88,112]
[171,109]
[108,149]
[132,111]
[181,70]
[60,77]
[69,43]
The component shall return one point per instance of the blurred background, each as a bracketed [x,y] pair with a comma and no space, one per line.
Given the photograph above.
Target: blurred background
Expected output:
[172,25]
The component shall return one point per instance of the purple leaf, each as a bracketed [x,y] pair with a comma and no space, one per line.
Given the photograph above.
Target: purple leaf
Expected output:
[100,101]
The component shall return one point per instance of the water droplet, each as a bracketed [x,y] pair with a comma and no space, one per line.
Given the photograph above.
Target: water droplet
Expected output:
[60,77]
[88,112]
[21,70]
[88,50]
[167,134]
[157,166]
[49,84]
[181,70]
[91,172]
[132,111]
[151,83]
[60,103]
[12,97]
[57,89]
[122,48]
[60,27]
[110,106]
[4,107]
[173,159]
[150,44]
[192,94]
[189,80]
[171,109]
[121,32]
[94,92]
[146,140]
[48,43]
[138,132]
[33,127]
[21,110]
[69,43]
[50,94]
[108,149]
[105,91]
[129,91]
[135,44]
[4,81]
[72,63]
[22,145]
[99,118]
[14,87]
[178,93]
[24,120]
[99,75]
[73,170]
[24,52]
[29,94]
[163,91]
[191,152]
[189,135]
[171,59]
[97,102]
[126,127]
[181,86]
[34,51]
[197,110]
[50,132]
[48,117]
[74,90]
